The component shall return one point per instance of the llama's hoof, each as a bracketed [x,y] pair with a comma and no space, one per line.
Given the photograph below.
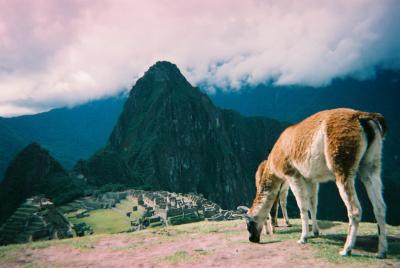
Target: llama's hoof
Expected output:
[381,255]
[302,241]
[344,253]
[316,233]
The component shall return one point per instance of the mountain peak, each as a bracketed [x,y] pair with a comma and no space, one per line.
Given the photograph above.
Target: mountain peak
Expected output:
[166,65]
[163,71]
[33,159]
[34,147]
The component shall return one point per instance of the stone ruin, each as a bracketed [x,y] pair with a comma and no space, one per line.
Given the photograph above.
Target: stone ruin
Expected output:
[157,208]
[36,219]
[105,200]
[165,208]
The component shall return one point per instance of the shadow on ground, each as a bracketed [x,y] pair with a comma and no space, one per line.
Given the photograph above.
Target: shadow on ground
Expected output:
[296,228]
[368,243]
[327,224]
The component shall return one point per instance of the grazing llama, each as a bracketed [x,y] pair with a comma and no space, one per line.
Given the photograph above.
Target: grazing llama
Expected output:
[281,198]
[333,145]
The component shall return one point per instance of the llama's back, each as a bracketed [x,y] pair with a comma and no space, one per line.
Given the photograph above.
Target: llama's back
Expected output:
[325,144]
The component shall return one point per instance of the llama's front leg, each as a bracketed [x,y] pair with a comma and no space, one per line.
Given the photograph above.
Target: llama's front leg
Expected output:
[313,192]
[272,219]
[299,188]
[269,229]
[349,197]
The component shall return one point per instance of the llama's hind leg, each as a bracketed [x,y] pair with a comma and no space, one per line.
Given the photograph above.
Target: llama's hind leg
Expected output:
[349,197]
[299,188]
[313,194]
[370,176]
[283,201]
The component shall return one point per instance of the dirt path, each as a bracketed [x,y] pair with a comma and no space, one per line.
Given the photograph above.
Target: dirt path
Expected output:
[194,245]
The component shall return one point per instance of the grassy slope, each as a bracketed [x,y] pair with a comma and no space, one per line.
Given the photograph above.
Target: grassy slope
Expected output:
[104,221]
[109,221]
[184,245]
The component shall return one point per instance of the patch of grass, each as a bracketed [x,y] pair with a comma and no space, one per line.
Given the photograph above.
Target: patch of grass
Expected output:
[179,256]
[126,206]
[128,247]
[201,251]
[31,265]
[5,250]
[105,221]
[182,256]
[327,224]
[205,227]
[82,244]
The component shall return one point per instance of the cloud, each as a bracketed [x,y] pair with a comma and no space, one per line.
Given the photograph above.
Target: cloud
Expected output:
[56,53]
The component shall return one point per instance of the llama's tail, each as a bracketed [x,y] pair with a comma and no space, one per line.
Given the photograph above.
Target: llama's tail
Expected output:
[377,119]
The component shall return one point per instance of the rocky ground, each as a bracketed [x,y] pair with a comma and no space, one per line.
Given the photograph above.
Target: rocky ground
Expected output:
[205,244]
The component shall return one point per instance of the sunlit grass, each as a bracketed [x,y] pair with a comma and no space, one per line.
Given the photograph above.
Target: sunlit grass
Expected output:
[182,256]
[105,221]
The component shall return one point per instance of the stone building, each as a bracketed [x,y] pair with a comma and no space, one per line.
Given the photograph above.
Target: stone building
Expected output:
[36,219]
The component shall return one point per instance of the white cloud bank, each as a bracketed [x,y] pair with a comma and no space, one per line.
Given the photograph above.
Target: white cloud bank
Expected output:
[56,53]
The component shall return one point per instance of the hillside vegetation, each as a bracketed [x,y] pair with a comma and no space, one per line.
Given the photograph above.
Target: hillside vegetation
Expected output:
[206,244]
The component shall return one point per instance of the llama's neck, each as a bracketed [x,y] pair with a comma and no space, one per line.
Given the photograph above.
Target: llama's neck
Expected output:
[258,210]
[265,197]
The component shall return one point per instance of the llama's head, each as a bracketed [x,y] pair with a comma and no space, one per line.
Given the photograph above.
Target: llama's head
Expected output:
[254,229]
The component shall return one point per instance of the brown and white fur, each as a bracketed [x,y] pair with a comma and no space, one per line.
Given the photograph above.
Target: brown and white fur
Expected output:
[281,198]
[333,145]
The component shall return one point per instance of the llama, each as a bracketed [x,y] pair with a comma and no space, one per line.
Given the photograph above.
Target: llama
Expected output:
[281,198]
[333,145]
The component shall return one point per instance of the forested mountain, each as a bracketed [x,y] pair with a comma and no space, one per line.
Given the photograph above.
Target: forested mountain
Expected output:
[171,136]
[34,171]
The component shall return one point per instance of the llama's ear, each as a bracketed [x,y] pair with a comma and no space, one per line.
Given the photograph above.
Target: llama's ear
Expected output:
[242,209]
[248,218]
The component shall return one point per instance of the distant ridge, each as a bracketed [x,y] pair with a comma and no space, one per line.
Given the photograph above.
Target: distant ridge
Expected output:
[68,133]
